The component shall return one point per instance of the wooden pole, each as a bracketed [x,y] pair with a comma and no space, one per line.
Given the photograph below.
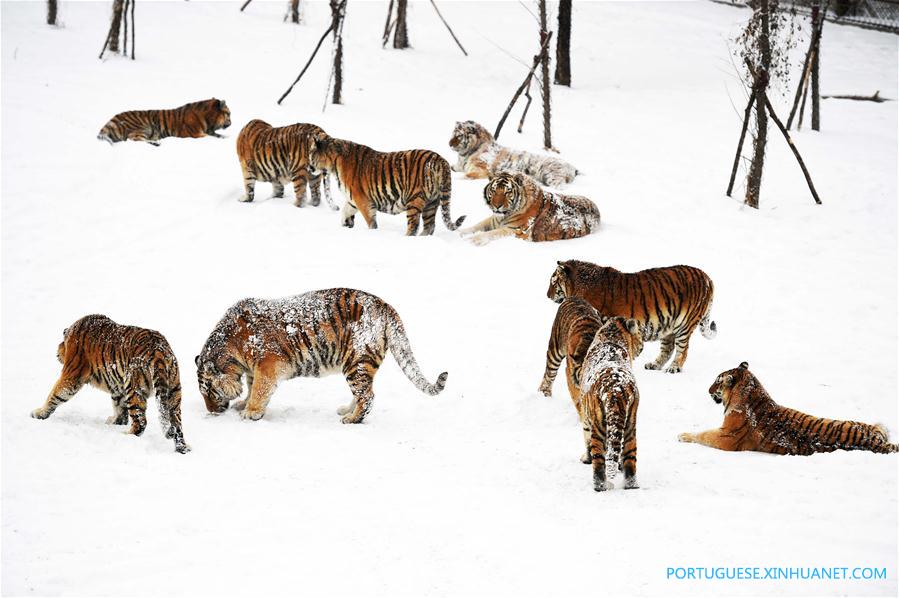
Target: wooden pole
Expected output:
[808,178]
[816,66]
[544,75]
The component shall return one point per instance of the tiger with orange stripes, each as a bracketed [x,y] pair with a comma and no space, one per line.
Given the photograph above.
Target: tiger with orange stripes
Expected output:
[129,363]
[280,155]
[267,341]
[197,119]
[573,329]
[669,303]
[754,422]
[416,182]
[524,209]
[609,401]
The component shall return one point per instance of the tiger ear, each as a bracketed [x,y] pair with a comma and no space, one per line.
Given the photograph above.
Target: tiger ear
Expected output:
[565,267]
[197,361]
[744,366]
[728,380]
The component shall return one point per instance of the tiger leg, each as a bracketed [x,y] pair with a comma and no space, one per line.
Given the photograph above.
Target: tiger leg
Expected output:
[141,135]
[64,389]
[597,451]
[348,214]
[682,342]
[492,235]
[360,378]
[241,405]
[718,438]
[119,415]
[137,410]
[628,458]
[264,384]
[664,354]
[369,214]
[170,404]
[314,189]
[554,357]
[249,181]
[429,215]
[277,189]
[299,190]
[484,225]
[413,216]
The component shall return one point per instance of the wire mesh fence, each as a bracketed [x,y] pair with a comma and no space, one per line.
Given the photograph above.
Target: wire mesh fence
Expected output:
[872,14]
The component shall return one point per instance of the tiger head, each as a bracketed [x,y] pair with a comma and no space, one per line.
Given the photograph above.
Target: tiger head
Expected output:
[221,114]
[560,282]
[722,389]
[218,388]
[508,192]
[631,334]
[323,152]
[469,136]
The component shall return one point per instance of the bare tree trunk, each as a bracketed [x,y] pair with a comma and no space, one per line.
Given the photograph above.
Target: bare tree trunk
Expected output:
[544,72]
[117,10]
[125,31]
[563,45]
[294,11]
[754,181]
[51,12]
[338,8]
[133,27]
[817,23]
[400,34]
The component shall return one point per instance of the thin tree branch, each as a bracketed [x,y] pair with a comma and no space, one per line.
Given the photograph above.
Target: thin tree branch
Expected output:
[314,52]
[808,178]
[733,171]
[448,28]
[537,59]
[245,4]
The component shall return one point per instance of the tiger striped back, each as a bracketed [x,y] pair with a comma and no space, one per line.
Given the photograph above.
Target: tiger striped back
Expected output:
[280,155]
[416,182]
[669,303]
[129,363]
[753,421]
[196,119]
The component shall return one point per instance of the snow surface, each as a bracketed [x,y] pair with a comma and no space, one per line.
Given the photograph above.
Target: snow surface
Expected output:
[478,490]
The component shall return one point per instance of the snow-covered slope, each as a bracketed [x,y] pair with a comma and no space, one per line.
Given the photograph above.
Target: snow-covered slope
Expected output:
[478,490]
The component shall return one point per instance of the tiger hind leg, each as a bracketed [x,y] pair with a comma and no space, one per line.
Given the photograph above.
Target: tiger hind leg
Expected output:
[360,379]
[682,342]
[596,449]
[628,459]
[277,189]
[249,182]
[119,415]
[137,410]
[315,190]
[413,217]
[429,216]
[664,354]
[299,191]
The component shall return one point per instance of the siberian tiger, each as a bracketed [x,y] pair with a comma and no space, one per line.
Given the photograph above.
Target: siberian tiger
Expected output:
[669,303]
[480,157]
[196,119]
[609,400]
[281,155]
[754,422]
[129,363]
[413,181]
[572,333]
[314,334]
[523,208]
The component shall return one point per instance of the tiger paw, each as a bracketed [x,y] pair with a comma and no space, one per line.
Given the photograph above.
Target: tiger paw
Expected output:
[252,414]
[585,459]
[673,369]
[245,199]
[631,484]
[652,366]
[239,405]
[115,420]
[547,390]
[344,409]
[479,240]
[350,419]
[603,486]
[39,414]
[182,448]
[685,437]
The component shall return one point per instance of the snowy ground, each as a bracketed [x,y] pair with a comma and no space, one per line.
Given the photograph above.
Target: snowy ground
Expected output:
[479,490]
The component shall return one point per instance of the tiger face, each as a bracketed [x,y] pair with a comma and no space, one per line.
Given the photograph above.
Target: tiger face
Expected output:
[468,136]
[721,388]
[222,117]
[322,154]
[504,193]
[558,282]
[218,388]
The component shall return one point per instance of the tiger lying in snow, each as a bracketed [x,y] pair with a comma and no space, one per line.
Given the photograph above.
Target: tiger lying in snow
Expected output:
[480,157]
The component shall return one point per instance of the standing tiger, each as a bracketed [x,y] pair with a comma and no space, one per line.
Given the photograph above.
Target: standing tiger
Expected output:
[481,157]
[314,334]
[754,422]
[197,119]
[413,181]
[129,363]
[669,303]
[609,401]
[572,333]
[523,208]
[281,155]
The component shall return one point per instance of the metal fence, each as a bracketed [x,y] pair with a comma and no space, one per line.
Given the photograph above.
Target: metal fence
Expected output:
[873,14]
